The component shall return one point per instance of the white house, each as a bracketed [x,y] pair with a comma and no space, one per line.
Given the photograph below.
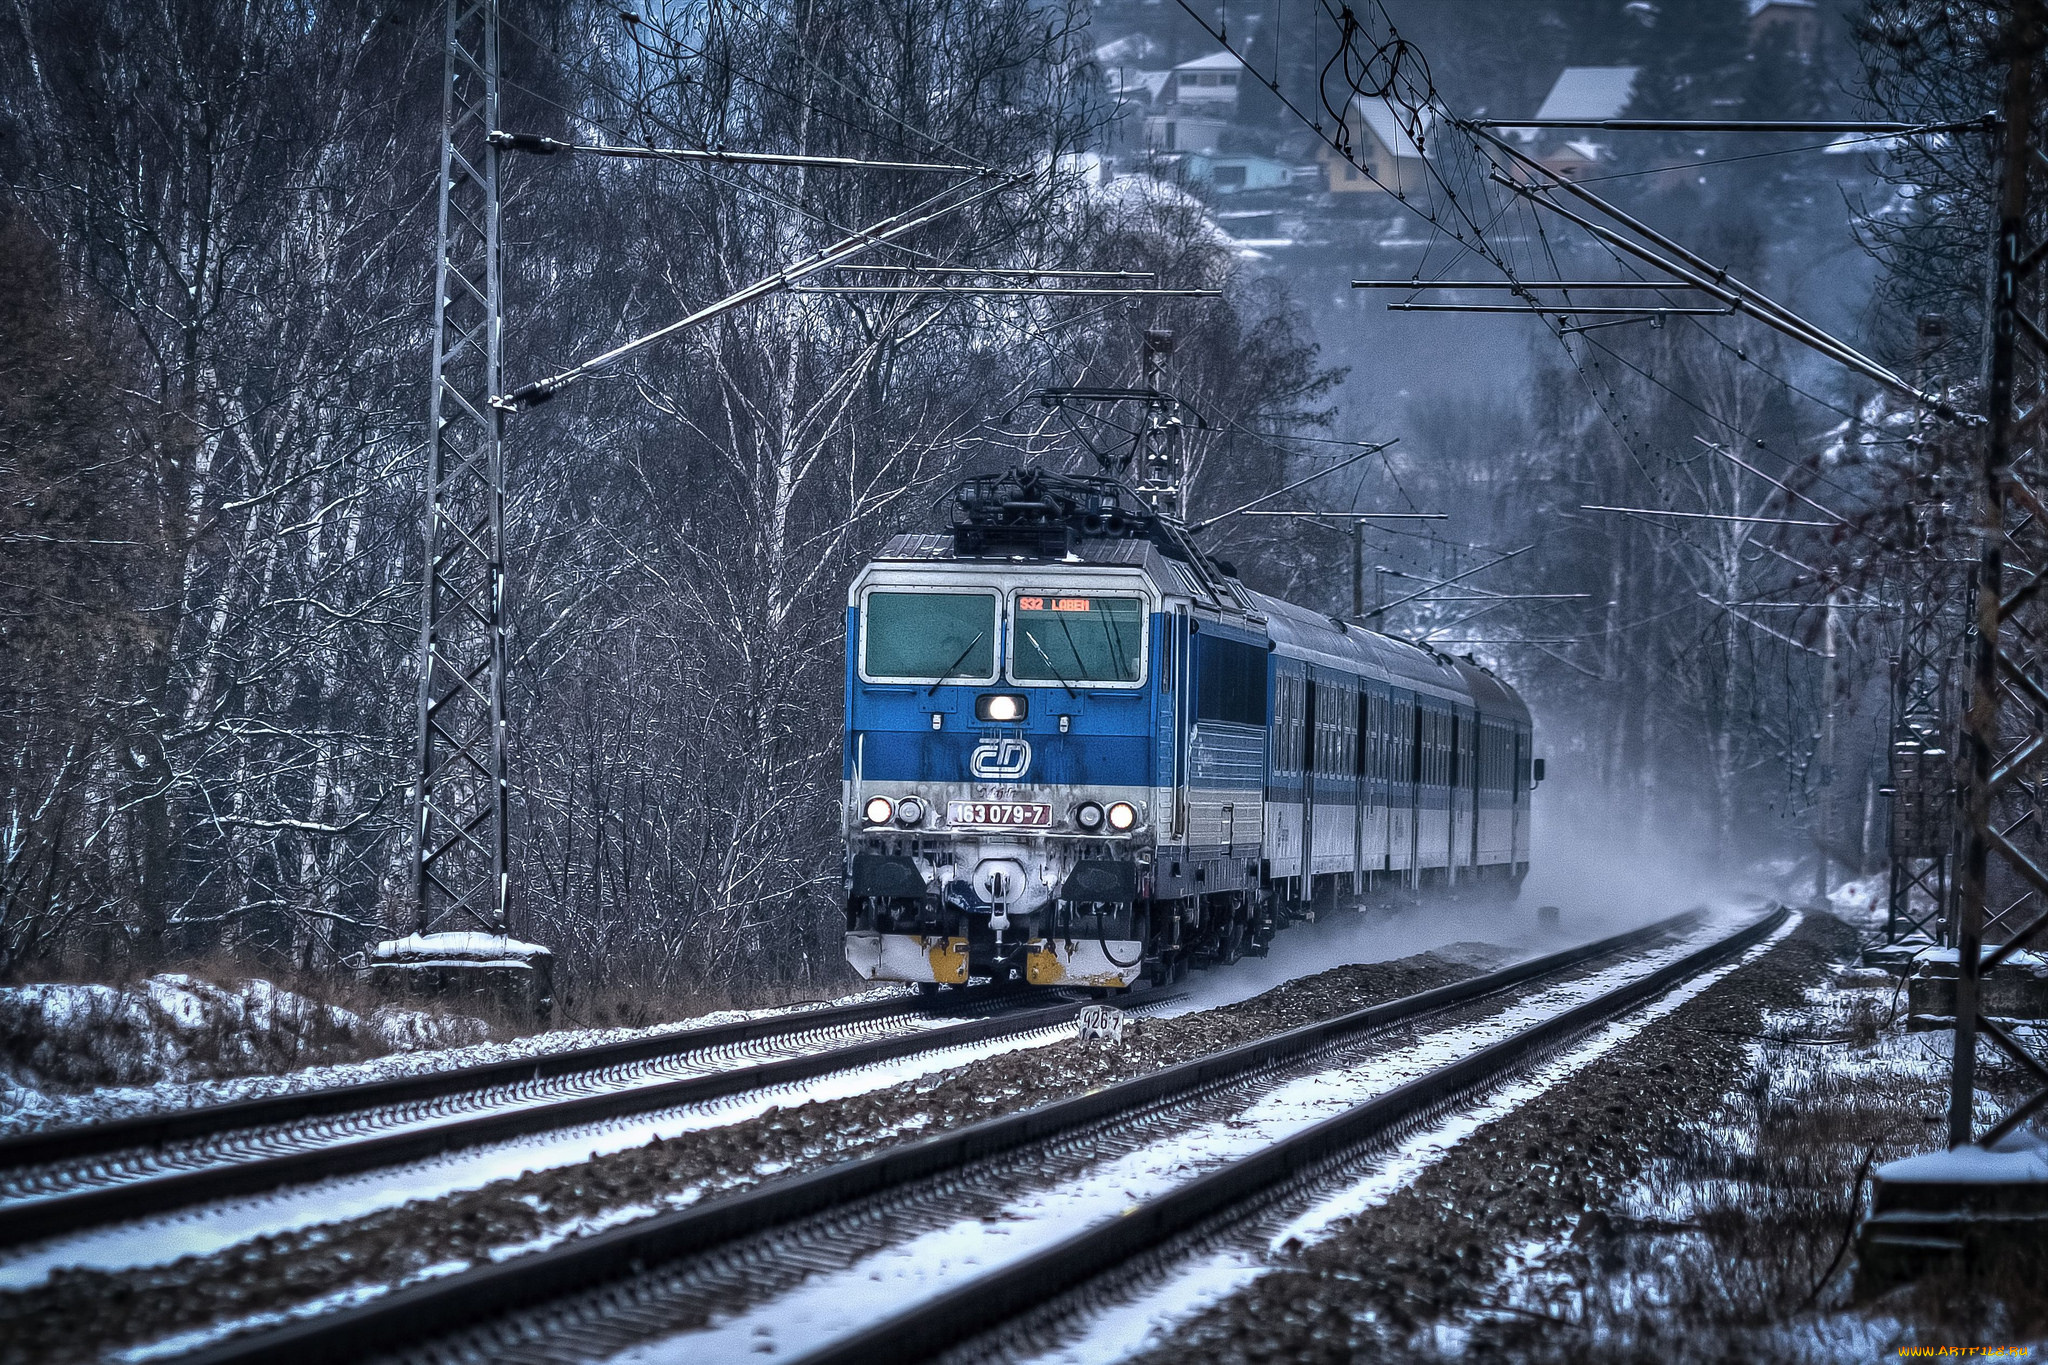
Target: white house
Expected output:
[1176,130]
[1208,83]
[1797,20]
[1588,93]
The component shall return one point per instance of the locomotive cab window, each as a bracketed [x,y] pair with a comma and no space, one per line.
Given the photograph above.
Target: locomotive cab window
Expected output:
[1072,638]
[928,637]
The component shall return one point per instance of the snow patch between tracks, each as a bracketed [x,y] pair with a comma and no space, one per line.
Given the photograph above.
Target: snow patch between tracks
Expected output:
[187,1342]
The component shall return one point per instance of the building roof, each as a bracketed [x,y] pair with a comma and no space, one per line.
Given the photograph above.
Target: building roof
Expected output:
[1215,61]
[1243,159]
[1590,92]
[1126,82]
[1757,7]
[1392,124]
[1131,50]
[1586,151]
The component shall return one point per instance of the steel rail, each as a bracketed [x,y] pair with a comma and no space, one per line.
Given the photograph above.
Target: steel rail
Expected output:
[426,1312]
[35,1218]
[211,1120]
[988,1301]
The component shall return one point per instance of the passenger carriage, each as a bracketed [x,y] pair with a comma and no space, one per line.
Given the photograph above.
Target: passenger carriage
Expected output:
[1079,751]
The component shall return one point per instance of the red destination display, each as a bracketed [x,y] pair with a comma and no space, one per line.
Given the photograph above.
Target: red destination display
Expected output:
[1054,603]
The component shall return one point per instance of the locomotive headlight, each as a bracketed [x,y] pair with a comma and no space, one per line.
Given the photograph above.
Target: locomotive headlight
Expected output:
[1001,706]
[909,811]
[1122,815]
[879,809]
[1088,815]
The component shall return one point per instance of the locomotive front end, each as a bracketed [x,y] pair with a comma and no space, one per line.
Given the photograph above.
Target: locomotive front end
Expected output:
[999,801]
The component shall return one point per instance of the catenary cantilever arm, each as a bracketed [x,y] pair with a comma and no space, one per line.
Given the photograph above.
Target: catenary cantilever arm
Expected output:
[541,390]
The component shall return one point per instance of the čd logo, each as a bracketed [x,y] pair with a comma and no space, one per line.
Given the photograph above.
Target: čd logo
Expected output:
[1000,760]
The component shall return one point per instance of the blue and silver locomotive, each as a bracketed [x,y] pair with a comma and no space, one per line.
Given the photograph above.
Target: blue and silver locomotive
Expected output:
[1080,751]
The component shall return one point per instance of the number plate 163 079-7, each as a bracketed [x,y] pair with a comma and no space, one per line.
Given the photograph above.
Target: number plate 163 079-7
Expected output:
[1000,814]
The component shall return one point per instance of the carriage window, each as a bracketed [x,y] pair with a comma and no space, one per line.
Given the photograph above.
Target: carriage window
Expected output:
[1073,639]
[1230,681]
[929,636]
[1287,719]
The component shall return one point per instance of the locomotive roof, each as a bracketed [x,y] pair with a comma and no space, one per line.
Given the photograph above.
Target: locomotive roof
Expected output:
[1132,554]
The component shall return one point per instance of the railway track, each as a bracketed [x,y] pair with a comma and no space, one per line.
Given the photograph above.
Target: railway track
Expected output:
[70,1180]
[1037,1284]
[596,1296]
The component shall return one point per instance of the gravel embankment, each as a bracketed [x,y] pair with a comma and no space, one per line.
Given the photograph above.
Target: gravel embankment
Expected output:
[82,1314]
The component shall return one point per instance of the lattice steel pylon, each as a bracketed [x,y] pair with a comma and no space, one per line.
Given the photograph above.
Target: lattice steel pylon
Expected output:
[459,793]
[2002,880]
[1922,752]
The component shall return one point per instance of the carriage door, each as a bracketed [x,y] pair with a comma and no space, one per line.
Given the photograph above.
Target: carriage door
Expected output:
[1453,806]
[1482,775]
[1360,732]
[1514,779]
[1415,776]
[1181,664]
[1307,759]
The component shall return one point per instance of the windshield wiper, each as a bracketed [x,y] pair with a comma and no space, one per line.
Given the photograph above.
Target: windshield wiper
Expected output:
[1072,643]
[956,661]
[1062,678]
[1116,636]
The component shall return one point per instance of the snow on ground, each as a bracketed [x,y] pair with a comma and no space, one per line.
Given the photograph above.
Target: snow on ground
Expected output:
[1893,1059]
[1605,897]
[833,1304]
[1347,937]
[174,1034]
[1843,1052]
[1149,1320]
[1860,903]
[185,1343]
[167,1077]
[211,1228]
[160,1022]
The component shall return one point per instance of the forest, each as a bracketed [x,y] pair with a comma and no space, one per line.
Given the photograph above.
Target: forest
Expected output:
[217,231]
